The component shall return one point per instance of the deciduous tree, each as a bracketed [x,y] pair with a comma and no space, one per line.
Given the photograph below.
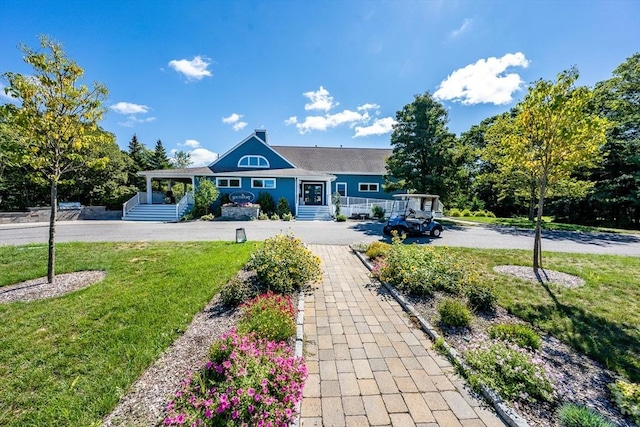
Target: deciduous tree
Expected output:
[181,159]
[423,155]
[551,134]
[56,120]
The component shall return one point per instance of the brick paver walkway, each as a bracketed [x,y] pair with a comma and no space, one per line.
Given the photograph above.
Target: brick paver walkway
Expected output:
[368,364]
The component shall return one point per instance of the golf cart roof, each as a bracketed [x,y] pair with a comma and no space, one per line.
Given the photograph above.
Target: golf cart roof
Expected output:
[416,196]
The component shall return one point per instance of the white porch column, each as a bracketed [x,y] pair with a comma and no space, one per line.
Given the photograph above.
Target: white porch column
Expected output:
[296,195]
[149,190]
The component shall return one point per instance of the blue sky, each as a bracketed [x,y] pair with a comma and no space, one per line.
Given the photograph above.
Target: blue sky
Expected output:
[202,75]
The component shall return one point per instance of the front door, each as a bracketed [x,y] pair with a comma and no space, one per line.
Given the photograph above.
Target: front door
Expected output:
[312,193]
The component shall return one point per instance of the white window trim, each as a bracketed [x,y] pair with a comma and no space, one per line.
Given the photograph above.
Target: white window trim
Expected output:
[275,183]
[338,184]
[249,156]
[360,184]
[229,180]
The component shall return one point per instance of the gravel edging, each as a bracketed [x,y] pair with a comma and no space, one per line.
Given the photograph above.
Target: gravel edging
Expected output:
[506,412]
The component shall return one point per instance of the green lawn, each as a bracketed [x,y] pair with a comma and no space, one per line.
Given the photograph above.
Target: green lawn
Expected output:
[601,319]
[547,224]
[67,360]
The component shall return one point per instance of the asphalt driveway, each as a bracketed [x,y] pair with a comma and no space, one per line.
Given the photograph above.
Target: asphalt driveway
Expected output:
[317,232]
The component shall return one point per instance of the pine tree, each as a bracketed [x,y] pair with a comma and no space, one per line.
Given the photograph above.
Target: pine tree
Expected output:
[159,159]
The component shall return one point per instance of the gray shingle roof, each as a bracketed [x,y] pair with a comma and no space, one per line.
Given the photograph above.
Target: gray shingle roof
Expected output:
[337,159]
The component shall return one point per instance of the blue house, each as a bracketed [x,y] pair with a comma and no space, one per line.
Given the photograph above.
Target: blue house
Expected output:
[305,176]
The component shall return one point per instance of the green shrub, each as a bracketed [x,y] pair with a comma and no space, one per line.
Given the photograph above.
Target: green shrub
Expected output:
[206,193]
[263,216]
[377,211]
[287,217]
[284,265]
[465,212]
[421,270]
[283,206]
[269,316]
[627,398]
[207,217]
[454,312]
[341,218]
[377,249]
[337,202]
[572,415]
[490,214]
[265,200]
[237,291]
[274,217]
[482,296]
[479,214]
[511,371]
[521,335]
[454,212]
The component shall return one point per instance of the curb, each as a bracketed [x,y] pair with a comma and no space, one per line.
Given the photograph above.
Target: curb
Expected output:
[507,413]
[299,347]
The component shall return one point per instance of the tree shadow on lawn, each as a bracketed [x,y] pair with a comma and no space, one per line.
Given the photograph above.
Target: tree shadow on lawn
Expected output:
[616,347]
[591,238]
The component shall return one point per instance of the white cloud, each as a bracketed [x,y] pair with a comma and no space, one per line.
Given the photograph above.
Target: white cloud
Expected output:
[192,143]
[196,69]
[202,157]
[291,120]
[484,82]
[368,107]
[132,120]
[129,108]
[379,127]
[360,119]
[463,28]
[234,119]
[320,100]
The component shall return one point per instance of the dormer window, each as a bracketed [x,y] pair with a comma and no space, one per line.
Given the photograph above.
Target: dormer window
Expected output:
[253,161]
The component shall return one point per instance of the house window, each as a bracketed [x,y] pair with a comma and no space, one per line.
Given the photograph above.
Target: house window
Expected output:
[228,182]
[367,187]
[263,183]
[341,188]
[253,161]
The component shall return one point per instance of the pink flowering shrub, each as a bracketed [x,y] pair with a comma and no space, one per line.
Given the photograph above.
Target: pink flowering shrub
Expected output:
[248,381]
[269,316]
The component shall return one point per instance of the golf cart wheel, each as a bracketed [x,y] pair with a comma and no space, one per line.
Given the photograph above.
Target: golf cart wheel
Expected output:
[402,231]
[386,231]
[436,232]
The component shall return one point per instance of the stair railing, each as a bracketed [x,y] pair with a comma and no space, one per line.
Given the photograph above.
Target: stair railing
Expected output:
[186,200]
[132,203]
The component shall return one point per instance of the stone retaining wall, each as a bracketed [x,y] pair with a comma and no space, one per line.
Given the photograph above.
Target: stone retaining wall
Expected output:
[42,215]
[239,213]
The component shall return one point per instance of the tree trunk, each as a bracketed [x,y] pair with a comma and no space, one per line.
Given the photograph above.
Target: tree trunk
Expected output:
[532,204]
[51,266]
[537,241]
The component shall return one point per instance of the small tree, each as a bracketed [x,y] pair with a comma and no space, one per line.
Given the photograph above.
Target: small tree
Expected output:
[56,121]
[181,159]
[265,200]
[206,193]
[337,202]
[551,135]
[283,206]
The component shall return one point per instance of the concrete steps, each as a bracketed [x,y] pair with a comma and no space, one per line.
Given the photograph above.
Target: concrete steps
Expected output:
[314,213]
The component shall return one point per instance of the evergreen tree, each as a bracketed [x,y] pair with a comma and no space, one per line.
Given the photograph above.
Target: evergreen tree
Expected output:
[159,159]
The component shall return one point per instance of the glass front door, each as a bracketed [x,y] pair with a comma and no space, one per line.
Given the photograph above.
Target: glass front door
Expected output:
[313,194]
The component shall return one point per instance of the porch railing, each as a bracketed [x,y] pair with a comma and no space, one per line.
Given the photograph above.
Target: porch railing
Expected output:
[133,202]
[352,206]
[183,203]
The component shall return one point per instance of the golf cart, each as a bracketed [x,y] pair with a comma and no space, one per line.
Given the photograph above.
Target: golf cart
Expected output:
[414,214]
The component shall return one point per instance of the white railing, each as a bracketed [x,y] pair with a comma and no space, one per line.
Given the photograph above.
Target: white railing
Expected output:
[183,203]
[353,206]
[132,203]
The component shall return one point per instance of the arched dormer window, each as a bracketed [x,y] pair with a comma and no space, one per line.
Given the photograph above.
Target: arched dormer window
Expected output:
[253,161]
